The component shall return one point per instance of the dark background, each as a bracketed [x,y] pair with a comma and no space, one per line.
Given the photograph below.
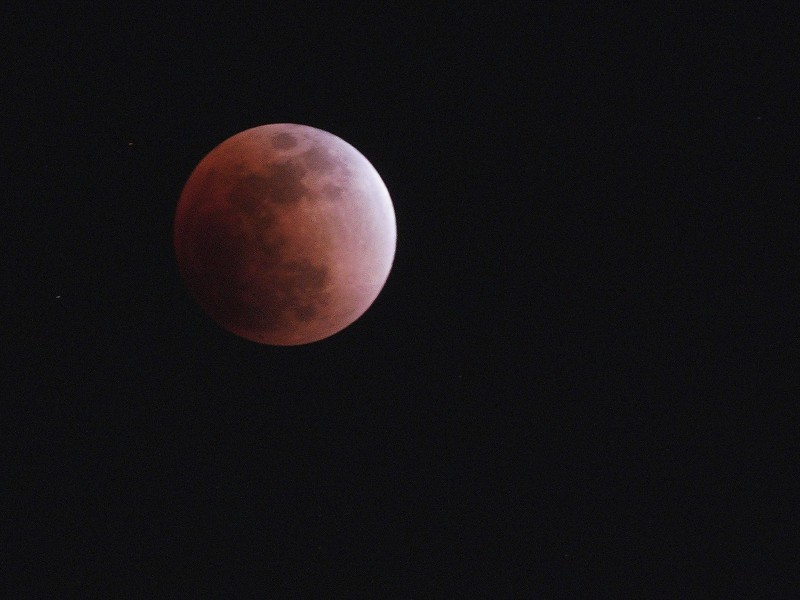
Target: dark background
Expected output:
[574,374]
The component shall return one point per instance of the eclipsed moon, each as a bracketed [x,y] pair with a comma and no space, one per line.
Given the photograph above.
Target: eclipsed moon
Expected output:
[285,234]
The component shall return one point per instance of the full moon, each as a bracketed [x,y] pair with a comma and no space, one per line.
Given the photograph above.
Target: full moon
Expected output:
[284,234]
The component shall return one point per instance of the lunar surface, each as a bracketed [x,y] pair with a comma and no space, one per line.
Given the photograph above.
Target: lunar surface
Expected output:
[284,234]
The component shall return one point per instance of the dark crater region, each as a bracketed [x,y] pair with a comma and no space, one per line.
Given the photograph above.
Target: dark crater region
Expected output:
[284,141]
[319,159]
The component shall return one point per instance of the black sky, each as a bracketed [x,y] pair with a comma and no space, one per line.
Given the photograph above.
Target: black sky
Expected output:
[576,366]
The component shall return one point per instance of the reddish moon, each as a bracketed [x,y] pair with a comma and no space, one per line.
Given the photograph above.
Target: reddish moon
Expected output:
[284,234]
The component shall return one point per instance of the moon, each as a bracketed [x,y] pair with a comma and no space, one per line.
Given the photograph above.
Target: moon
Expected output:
[284,234]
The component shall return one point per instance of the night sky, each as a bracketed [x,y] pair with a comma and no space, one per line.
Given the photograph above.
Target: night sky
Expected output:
[575,373]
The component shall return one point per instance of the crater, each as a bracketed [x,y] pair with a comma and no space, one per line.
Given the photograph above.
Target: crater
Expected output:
[269,243]
[304,288]
[283,183]
[305,313]
[284,141]
[248,194]
[319,159]
[332,192]
[306,277]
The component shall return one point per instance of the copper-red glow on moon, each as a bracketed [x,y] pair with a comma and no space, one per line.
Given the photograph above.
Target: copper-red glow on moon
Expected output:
[284,234]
